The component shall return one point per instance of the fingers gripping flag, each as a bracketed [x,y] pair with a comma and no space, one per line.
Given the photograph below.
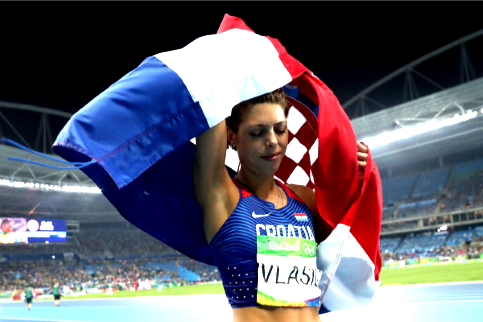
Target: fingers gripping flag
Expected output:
[139,132]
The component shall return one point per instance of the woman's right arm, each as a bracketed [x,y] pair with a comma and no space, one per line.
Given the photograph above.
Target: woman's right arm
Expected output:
[214,189]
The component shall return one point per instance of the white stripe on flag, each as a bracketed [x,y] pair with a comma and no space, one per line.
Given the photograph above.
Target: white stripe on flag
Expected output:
[222,70]
[353,283]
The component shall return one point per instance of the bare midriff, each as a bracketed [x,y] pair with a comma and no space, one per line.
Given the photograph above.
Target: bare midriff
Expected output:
[275,314]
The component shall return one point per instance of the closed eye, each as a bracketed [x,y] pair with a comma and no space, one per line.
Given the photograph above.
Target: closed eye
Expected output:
[260,130]
[281,131]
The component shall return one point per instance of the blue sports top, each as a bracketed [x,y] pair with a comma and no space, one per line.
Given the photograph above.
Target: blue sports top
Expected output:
[234,246]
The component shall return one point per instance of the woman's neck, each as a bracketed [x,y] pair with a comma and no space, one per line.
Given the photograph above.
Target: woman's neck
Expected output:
[262,186]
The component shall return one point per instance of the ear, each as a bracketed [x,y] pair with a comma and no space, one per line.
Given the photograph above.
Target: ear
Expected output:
[231,138]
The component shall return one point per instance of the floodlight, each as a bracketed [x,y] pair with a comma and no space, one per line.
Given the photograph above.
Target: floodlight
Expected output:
[48,187]
[423,127]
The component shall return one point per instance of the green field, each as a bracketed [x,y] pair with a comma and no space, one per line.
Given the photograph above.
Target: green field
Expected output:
[176,290]
[455,272]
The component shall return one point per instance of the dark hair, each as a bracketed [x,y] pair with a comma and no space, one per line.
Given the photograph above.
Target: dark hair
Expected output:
[278,96]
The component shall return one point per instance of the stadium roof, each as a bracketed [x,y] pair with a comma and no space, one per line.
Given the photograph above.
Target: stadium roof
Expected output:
[461,138]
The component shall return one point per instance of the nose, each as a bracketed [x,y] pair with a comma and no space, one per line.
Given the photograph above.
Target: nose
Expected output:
[271,138]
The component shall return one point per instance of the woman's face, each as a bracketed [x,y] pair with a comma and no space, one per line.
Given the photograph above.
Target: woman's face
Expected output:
[262,138]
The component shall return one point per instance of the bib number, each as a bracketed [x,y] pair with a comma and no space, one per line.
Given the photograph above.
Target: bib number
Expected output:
[287,272]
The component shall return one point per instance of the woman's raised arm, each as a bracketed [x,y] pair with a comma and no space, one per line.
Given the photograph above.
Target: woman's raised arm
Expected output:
[214,189]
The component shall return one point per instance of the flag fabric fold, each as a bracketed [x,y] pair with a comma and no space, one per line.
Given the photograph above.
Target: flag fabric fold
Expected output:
[140,130]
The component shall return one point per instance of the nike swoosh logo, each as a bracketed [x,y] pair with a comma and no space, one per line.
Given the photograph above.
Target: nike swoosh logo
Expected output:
[258,216]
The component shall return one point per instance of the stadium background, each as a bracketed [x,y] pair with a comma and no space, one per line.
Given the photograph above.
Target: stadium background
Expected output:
[425,68]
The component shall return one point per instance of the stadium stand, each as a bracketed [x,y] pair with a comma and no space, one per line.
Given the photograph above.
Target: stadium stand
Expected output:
[388,212]
[453,188]
[389,245]
[460,237]
[429,183]
[416,208]
[422,245]
[90,244]
[465,186]
[479,232]
[397,189]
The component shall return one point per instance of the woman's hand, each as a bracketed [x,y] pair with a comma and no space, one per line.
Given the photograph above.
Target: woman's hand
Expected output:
[361,159]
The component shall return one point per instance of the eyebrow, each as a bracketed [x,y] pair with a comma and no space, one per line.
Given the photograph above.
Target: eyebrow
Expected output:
[267,125]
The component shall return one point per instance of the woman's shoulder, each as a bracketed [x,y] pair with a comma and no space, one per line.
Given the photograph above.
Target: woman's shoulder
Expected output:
[297,188]
[306,194]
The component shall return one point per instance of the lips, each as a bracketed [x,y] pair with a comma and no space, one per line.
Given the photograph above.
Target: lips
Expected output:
[271,157]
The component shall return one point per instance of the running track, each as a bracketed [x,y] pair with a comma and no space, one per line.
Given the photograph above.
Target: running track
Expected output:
[416,303]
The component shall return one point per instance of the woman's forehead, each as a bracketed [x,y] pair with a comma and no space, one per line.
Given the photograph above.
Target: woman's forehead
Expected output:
[264,114]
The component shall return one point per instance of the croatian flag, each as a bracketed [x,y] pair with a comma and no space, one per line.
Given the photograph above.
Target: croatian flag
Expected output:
[139,132]
[301,217]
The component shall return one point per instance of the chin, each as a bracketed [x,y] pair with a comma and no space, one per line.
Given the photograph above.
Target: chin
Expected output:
[273,169]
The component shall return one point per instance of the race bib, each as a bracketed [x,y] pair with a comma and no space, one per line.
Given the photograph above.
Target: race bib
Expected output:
[287,272]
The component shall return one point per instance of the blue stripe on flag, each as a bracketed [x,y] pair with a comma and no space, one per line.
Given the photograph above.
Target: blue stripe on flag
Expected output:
[135,122]
[161,201]
[139,131]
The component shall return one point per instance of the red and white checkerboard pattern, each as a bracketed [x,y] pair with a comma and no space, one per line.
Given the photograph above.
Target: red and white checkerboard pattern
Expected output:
[302,148]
